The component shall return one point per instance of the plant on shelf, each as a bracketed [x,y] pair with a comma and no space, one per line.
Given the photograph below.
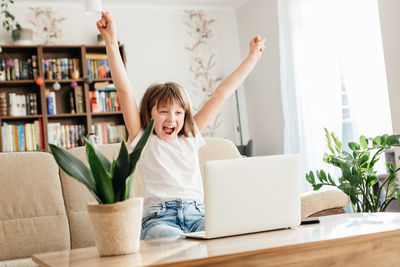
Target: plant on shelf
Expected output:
[358,174]
[116,219]
[9,23]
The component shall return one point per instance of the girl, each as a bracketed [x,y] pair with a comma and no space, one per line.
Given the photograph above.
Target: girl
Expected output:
[169,165]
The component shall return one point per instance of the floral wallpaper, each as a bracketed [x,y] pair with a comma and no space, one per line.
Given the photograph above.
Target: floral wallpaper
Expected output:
[202,64]
[46,24]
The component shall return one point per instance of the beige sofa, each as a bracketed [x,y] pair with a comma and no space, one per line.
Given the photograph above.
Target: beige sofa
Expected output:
[42,209]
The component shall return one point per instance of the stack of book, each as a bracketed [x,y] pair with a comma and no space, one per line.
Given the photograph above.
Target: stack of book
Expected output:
[22,137]
[94,64]
[67,136]
[106,133]
[104,98]
[75,100]
[61,68]
[13,104]
[19,69]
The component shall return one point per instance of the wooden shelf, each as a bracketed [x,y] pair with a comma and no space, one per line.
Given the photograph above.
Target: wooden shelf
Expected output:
[17,82]
[87,118]
[98,114]
[64,80]
[21,117]
[102,79]
[66,115]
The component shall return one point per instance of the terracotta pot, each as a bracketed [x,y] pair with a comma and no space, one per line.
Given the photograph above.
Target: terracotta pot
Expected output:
[116,227]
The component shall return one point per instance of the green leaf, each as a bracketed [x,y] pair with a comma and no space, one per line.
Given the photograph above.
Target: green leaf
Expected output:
[393,140]
[338,144]
[377,141]
[311,178]
[135,155]
[371,180]
[323,176]
[122,171]
[128,185]
[397,195]
[390,191]
[331,181]
[75,168]
[100,175]
[384,139]
[346,172]
[363,141]
[392,177]
[317,187]
[354,146]
[106,163]
[328,141]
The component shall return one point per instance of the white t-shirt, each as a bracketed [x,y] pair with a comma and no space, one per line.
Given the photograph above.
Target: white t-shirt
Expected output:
[171,170]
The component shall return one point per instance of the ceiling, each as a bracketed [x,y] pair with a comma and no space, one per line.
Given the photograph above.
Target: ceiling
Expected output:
[234,3]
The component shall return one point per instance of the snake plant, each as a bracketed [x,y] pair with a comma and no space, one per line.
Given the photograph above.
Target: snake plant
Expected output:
[109,182]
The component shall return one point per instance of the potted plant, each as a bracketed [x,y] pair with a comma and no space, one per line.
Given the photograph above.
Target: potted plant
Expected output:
[9,22]
[116,218]
[19,35]
[358,175]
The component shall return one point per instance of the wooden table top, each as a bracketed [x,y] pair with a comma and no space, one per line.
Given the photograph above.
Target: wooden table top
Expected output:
[330,232]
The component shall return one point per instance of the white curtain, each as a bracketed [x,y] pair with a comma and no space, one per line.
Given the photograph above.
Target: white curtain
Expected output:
[325,44]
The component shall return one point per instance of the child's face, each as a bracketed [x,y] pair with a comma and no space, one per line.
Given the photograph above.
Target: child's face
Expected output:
[168,120]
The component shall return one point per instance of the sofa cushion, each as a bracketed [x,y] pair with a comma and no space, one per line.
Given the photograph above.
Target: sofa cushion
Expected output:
[32,212]
[217,149]
[77,196]
[317,201]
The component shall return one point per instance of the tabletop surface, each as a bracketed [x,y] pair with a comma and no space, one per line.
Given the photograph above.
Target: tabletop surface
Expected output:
[176,249]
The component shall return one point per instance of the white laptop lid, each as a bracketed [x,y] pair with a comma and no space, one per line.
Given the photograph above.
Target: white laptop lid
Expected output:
[252,194]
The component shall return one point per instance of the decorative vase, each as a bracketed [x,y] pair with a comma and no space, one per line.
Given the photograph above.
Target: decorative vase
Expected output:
[25,37]
[116,227]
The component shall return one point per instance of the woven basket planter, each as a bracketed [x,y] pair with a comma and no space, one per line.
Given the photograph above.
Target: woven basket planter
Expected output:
[116,227]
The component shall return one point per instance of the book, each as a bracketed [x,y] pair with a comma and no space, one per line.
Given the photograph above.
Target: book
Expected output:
[71,100]
[96,56]
[3,104]
[78,93]
[94,104]
[51,104]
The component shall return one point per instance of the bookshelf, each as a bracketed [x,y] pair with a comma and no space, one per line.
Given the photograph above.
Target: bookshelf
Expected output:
[46,56]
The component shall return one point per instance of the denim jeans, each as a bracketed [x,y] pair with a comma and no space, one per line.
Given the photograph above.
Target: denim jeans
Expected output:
[172,218]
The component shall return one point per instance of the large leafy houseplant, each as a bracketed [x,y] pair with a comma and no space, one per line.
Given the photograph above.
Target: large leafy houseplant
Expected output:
[358,174]
[109,182]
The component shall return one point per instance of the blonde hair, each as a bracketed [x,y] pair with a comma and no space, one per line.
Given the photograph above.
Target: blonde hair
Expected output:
[164,94]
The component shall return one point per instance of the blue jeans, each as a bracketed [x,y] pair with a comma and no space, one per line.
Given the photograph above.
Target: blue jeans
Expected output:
[172,218]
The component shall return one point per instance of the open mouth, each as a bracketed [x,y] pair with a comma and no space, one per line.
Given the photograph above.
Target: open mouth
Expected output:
[168,130]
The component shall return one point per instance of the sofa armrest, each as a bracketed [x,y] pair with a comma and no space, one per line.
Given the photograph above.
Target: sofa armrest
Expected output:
[322,203]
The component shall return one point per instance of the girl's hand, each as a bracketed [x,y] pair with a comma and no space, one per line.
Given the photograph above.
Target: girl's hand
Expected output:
[256,47]
[106,27]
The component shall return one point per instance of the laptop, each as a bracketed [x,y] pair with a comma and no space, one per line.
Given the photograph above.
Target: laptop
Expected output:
[249,195]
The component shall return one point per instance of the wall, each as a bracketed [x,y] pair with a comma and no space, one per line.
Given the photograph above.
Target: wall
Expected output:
[263,85]
[154,37]
[390,20]
[264,106]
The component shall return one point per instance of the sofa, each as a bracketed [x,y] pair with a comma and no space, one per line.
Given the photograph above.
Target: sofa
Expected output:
[42,209]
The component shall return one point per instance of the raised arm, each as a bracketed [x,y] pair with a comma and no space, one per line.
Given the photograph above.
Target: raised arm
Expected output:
[127,100]
[229,85]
